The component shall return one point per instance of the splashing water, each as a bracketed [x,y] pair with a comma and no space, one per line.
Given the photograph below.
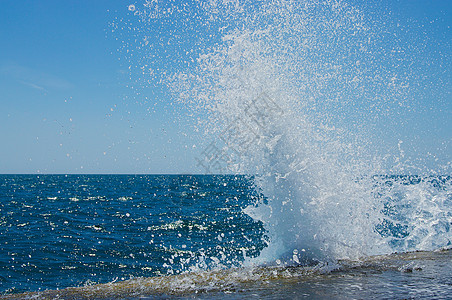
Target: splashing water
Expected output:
[294,93]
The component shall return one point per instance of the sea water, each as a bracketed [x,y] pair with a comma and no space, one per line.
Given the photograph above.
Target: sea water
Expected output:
[59,231]
[186,236]
[297,101]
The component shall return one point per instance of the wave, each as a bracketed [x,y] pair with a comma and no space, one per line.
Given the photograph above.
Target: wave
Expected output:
[295,93]
[278,281]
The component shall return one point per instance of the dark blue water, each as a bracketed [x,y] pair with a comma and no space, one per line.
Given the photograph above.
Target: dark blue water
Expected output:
[58,231]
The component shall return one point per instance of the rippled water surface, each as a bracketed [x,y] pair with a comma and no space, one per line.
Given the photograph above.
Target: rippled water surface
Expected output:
[181,236]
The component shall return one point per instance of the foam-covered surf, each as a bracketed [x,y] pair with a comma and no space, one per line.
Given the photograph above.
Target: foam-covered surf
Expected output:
[372,277]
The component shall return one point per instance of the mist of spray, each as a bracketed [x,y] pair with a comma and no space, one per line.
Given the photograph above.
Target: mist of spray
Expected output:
[293,92]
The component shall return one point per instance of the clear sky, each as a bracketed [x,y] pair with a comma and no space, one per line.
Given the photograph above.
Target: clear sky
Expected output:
[65,102]
[67,106]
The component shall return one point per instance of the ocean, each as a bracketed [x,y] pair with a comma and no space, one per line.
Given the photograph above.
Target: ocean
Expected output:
[188,236]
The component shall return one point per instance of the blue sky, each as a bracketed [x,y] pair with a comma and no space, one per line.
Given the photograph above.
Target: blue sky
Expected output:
[65,102]
[67,105]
